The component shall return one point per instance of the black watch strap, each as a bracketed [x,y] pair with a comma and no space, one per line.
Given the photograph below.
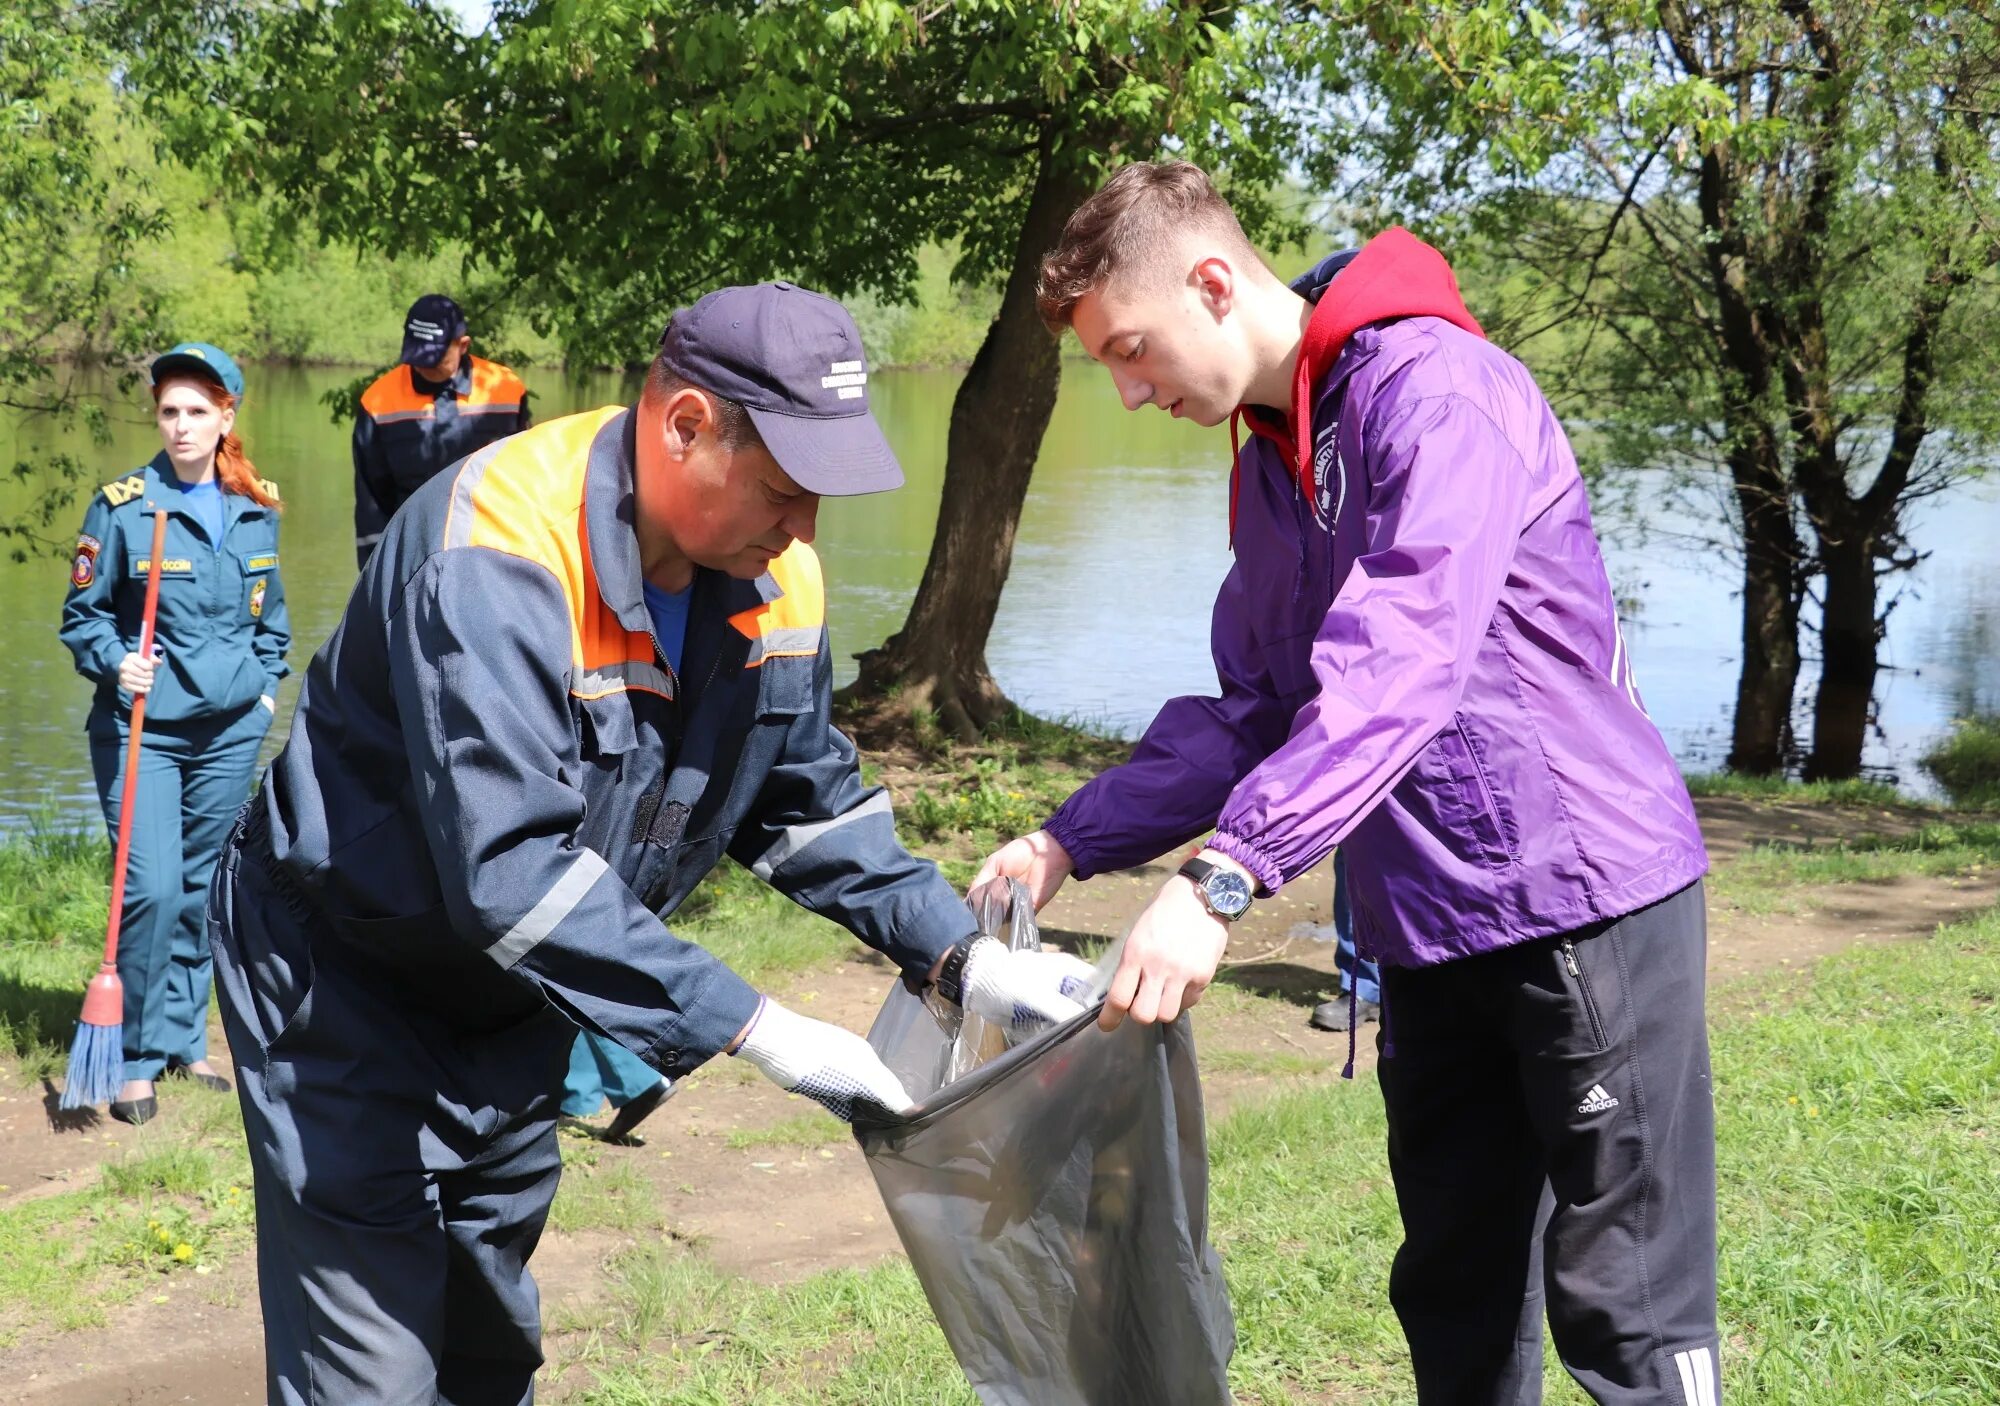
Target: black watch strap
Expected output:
[1198,870]
[951,974]
[1201,872]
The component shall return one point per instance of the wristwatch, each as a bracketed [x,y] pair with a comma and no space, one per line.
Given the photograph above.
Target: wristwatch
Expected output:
[1226,892]
[951,972]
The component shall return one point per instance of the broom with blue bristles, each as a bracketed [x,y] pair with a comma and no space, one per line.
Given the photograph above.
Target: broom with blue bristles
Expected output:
[97,1059]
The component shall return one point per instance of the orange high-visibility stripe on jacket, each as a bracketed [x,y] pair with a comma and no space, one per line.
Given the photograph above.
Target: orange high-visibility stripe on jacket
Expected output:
[409,431]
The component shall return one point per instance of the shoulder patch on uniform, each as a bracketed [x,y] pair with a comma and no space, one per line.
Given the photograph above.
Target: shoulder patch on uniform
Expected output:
[83,569]
[270,488]
[123,490]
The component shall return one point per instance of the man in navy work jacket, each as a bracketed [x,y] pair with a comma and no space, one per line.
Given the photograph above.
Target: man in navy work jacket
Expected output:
[438,404]
[582,666]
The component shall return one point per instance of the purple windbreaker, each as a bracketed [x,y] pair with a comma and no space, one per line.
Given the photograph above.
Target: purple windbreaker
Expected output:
[1420,658]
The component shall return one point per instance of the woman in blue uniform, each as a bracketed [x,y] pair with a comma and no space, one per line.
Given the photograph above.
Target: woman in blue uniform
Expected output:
[211,687]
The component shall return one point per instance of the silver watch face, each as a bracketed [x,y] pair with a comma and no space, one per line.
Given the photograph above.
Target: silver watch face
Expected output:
[1228,893]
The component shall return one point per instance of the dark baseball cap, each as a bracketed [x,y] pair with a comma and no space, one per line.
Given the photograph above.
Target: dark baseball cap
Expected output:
[792,358]
[211,363]
[433,324]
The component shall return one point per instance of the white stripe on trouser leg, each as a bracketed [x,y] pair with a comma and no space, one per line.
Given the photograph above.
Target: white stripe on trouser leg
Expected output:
[555,905]
[1689,1392]
[1697,1369]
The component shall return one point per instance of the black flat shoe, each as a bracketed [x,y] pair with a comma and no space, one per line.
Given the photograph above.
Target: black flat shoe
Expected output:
[634,1113]
[214,1082]
[136,1111]
[1332,1015]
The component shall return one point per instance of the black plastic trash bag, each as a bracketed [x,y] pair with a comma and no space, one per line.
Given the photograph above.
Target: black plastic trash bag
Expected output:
[1054,1202]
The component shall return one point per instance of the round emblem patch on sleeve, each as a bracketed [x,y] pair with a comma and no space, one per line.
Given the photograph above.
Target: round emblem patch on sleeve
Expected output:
[83,570]
[257,600]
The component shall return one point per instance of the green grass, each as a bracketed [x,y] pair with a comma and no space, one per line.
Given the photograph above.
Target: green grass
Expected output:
[169,1210]
[807,1130]
[53,892]
[1967,762]
[1274,1064]
[592,1196]
[1779,788]
[1010,782]
[1769,877]
[757,931]
[1859,1191]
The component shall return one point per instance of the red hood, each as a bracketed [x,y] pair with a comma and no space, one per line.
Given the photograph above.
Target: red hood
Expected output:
[1396,274]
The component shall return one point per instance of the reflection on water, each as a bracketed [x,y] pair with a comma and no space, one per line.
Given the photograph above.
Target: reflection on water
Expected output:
[1122,544]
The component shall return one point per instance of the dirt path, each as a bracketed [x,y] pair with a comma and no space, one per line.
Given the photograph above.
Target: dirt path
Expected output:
[778,1208]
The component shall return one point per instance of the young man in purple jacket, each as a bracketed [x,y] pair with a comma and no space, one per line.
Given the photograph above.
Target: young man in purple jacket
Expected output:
[1420,662]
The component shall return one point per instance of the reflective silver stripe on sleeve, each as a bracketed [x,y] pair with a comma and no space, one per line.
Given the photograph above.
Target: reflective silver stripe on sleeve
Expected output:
[794,838]
[563,896]
[614,678]
[458,521]
[370,540]
[489,407]
[795,639]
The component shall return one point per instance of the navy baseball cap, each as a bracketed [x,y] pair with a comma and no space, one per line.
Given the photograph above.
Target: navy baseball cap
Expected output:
[433,324]
[792,358]
[199,359]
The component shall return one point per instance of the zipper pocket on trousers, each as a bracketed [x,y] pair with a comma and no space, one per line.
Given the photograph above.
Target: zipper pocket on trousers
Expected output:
[1583,990]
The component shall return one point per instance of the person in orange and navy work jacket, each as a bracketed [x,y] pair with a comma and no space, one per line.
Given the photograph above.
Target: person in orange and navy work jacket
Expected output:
[582,666]
[438,405]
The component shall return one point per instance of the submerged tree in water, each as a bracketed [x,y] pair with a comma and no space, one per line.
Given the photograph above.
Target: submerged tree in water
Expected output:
[1762,233]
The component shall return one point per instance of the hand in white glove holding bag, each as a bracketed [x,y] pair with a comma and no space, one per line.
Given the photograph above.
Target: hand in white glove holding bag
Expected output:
[1022,991]
[835,1068]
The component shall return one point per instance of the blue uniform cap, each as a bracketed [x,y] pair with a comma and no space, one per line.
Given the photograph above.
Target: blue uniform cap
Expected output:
[434,322]
[200,359]
[791,358]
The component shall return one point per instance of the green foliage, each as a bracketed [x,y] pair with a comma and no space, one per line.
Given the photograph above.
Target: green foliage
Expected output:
[1755,238]
[612,161]
[1967,762]
[983,802]
[72,228]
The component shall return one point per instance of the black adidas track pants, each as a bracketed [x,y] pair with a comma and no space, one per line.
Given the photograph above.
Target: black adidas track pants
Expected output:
[1551,1101]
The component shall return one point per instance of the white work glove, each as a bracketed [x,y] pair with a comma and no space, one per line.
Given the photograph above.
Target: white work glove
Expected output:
[1023,991]
[835,1068]
[135,671]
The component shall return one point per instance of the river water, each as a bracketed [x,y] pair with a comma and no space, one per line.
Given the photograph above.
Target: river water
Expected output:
[1122,544]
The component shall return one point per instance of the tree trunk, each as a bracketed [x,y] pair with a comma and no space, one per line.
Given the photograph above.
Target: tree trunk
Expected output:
[1770,668]
[938,659]
[1848,636]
